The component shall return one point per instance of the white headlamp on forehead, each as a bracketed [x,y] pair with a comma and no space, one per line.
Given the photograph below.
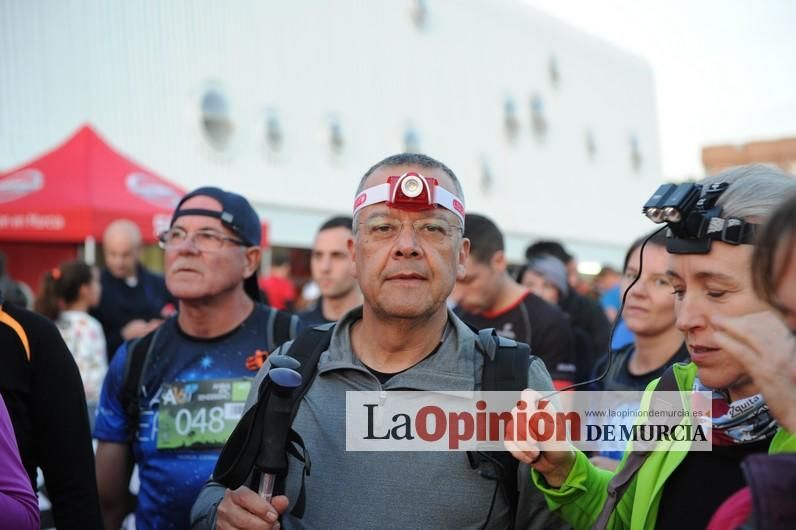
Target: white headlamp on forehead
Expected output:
[410,191]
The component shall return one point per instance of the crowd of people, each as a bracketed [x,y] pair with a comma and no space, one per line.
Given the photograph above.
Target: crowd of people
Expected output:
[170,374]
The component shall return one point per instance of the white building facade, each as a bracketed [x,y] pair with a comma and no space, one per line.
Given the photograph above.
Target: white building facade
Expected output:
[553,133]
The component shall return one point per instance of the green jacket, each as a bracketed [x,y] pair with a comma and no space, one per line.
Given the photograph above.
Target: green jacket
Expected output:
[581,497]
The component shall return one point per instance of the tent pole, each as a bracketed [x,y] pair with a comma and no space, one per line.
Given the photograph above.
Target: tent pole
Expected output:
[90,250]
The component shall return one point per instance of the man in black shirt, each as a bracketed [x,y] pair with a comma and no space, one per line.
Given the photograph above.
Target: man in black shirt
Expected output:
[333,270]
[134,300]
[41,386]
[490,298]
[586,314]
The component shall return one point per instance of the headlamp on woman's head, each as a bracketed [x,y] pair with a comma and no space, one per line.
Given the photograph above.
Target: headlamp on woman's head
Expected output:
[693,219]
[413,192]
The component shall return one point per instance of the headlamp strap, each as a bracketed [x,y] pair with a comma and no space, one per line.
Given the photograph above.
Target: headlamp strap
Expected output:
[381,193]
[733,231]
[450,201]
[372,195]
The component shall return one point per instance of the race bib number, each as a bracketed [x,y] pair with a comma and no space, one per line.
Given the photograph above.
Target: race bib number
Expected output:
[201,414]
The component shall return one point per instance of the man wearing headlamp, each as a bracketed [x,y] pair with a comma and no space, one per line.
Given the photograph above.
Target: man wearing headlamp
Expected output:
[710,228]
[408,250]
[406,272]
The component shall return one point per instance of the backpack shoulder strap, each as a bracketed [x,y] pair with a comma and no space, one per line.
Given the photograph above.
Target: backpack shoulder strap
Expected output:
[620,482]
[11,322]
[506,362]
[282,327]
[506,369]
[138,351]
[307,349]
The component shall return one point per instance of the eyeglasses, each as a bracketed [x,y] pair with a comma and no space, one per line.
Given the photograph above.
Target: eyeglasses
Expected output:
[203,240]
[431,230]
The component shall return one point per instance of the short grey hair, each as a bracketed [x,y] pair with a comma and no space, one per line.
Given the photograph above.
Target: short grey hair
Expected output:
[755,191]
[409,159]
[413,159]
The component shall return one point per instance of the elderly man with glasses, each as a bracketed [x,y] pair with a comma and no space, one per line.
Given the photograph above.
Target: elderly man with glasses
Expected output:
[408,250]
[172,398]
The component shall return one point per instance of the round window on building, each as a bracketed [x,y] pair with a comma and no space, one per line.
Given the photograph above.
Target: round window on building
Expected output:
[636,158]
[336,136]
[411,140]
[273,131]
[591,144]
[511,123]
[553,71]
[418,12]
[487,176]
[217,125]
[538,117]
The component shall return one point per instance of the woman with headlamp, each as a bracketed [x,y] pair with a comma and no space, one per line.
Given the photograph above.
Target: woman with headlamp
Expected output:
[711,245]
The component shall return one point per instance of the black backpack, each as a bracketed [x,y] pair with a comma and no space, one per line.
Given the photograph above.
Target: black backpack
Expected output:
[281,327]
[505,370]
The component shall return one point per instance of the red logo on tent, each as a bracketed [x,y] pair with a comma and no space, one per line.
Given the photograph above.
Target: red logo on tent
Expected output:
[153,191]
[21,183]
[160,223]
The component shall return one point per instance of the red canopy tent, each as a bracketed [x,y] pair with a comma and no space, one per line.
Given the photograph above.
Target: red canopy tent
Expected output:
[69,195]
[77,189]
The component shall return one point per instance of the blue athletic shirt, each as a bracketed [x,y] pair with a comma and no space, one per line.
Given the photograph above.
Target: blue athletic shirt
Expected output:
[171,478]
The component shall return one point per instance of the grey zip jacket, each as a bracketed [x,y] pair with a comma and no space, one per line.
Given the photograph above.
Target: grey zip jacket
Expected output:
[391,489]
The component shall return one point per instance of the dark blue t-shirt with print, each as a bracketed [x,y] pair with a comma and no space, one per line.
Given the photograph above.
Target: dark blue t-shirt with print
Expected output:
[193,393]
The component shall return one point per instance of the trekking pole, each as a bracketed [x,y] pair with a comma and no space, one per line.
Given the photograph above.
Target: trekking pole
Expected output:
[284,378]
[266,489]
